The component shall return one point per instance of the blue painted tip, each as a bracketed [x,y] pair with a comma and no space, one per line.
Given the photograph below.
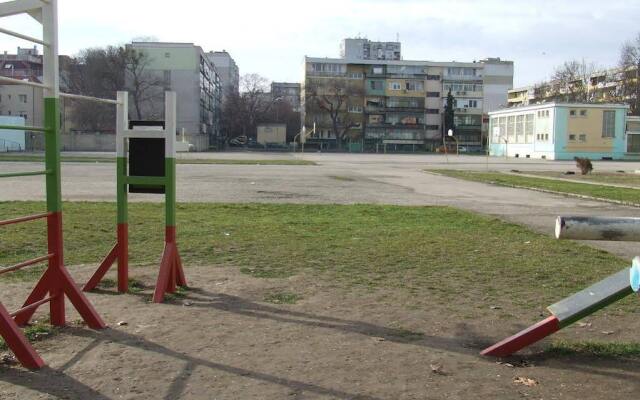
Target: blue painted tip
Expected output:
[634,274]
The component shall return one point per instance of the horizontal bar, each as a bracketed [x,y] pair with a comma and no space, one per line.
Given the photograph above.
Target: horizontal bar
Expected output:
[21,82]
[32,173]
[145,180]
[9,8]
[144,134]
[25,264]
[88,98]
[23,128]
[598,228]
[33,305]
[21,36]
[25,219]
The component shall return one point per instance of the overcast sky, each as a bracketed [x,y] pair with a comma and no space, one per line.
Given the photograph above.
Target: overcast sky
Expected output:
[272,37]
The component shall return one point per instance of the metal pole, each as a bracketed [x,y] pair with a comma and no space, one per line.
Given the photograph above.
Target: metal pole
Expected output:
[598,228]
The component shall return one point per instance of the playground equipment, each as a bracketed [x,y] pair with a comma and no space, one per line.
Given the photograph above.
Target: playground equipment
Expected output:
[147,150]
[589,300]
[56,282]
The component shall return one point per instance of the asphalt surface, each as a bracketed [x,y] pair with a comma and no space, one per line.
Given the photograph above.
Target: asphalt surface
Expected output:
[344,179]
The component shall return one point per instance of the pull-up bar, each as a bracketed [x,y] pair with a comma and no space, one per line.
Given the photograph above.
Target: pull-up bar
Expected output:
[21,36]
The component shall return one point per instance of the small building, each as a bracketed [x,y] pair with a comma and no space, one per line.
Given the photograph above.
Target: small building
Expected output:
[560,131]
[633,136]
[12,140]
[272,134]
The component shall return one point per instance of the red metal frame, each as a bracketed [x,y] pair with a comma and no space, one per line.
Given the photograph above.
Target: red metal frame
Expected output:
[120,252]
[171,273]
[57,283]
[523,338]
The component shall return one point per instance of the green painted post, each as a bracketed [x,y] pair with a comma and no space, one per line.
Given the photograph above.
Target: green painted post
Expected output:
[52,153]
[170,191]
[121,191]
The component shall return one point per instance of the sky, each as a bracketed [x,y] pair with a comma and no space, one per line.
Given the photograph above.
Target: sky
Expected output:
[272,37]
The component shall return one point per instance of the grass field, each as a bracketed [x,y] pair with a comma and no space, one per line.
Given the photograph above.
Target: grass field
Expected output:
[436,252]
[620,178]
[626,195]
[90,159]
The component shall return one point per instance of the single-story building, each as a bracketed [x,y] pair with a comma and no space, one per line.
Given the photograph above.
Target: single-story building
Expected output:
[560,131]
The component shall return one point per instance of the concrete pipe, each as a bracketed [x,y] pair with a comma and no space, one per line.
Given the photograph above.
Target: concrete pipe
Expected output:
[598,228]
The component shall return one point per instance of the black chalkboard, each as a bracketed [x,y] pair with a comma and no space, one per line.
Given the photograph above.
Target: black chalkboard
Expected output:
[146,156]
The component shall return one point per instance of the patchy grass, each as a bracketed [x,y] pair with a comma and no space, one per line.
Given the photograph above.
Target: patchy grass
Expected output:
[282,298]
[598,349]
[342,178]
[109,159]
[34,332]
[597,191]
[620,178]
[434,253]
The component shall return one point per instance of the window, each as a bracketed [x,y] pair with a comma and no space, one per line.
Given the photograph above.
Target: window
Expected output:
[377,70]
[583,113]
[572,113]
[394,86]
[473,104]
[415,86]
[432,111]
[433,127]
[511,129]
[167,55]
[433,94]
[582,137]
[22,98]
[520,129]
[433,77]
[608,124]
[376,85]
[528,128]
[355,75]
[572,138]
[546,113]
[355,109]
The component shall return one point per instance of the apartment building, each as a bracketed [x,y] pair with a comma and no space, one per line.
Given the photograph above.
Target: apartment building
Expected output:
[605,86]
[364,49]
[562,131]
[187,70]
[25,101]
[287,91]
[401,103]
[227,70]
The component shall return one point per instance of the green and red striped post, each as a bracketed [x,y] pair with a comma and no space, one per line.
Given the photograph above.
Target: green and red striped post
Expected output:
[171,273]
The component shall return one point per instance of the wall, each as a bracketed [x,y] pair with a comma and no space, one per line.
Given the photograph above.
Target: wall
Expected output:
[273,133]
[15,140]
[88,142]
[596,147]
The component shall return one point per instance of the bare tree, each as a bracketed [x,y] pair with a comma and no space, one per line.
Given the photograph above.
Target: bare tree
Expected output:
[630,73]
[333,97]
[570,82]
[145,86]
[97,72]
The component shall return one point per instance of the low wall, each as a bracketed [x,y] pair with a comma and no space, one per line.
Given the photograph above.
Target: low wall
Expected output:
[88,141]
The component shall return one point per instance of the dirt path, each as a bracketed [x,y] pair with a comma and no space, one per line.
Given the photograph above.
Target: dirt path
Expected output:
[224,342]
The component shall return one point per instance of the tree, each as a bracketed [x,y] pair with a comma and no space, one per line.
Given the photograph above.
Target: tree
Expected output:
[449,114]
[630,74]
[101,72]
[241,112]
[96,72]
[570,82]
[145,86]
[333,97]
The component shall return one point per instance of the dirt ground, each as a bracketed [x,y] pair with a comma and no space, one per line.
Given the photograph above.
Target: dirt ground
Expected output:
[223,341]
